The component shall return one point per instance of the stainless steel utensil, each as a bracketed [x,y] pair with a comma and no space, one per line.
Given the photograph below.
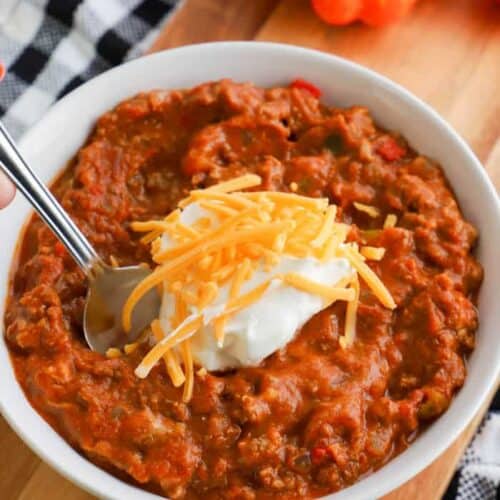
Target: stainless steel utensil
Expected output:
[108,287]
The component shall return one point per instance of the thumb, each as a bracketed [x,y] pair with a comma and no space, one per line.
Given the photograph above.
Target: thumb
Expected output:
[7,191]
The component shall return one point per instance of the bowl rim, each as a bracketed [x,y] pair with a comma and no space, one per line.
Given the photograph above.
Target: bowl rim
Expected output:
[378,483]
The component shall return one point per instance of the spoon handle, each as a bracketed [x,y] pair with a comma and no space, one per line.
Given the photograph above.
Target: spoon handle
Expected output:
[47,207]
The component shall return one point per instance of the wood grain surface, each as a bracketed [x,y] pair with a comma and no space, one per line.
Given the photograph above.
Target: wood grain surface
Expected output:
[447,53]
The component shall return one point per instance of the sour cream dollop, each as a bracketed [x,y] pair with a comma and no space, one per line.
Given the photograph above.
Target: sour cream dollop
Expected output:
[267,324]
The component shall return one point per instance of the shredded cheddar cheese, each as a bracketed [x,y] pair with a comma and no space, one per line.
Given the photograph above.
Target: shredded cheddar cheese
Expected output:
[189,367]
[367,209]
[240,276]
[288,199]
[219,325]
[130,348]
[372,253]
[331,294]
[243,182]
[326,228]
[148,238]
[350,317]
[390,221]
[369,276]
[244,231]
[174,370]
[248,298]
[113,352]
[183,332]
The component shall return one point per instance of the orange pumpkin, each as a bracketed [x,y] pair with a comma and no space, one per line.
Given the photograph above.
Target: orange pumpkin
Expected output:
[338,11]
[371,12]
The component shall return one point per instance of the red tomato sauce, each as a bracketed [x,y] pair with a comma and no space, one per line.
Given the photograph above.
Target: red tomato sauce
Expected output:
[312,418]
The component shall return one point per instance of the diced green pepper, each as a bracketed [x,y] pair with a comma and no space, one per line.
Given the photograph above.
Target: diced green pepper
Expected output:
[335,143]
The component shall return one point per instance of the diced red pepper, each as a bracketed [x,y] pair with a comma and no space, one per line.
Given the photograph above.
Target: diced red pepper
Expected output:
[59,249]
[390,150]
[318,454]
[300,83]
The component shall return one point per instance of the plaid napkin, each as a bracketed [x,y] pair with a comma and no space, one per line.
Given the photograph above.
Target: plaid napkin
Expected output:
[478,474]
[49,47]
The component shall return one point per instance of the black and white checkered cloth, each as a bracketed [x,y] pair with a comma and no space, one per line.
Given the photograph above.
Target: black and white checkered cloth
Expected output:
[49,47]
[478,474]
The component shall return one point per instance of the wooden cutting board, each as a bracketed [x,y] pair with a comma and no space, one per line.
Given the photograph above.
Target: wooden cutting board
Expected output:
[447,53]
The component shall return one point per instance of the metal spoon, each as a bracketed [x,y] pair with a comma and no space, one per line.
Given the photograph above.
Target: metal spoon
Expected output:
[108,287]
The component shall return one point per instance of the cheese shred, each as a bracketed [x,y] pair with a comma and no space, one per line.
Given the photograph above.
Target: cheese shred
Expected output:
[174,370]
[183,332]
[350,317]
[372,253]
[331,294]
[326,228]
[390,221]
[369,277]
[113,352]
[188,366]
[243,182]
[367,209]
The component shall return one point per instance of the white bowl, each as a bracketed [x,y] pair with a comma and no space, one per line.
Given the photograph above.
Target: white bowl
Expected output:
[56,138]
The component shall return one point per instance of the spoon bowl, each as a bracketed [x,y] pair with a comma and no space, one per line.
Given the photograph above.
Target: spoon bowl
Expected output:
[107,294]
